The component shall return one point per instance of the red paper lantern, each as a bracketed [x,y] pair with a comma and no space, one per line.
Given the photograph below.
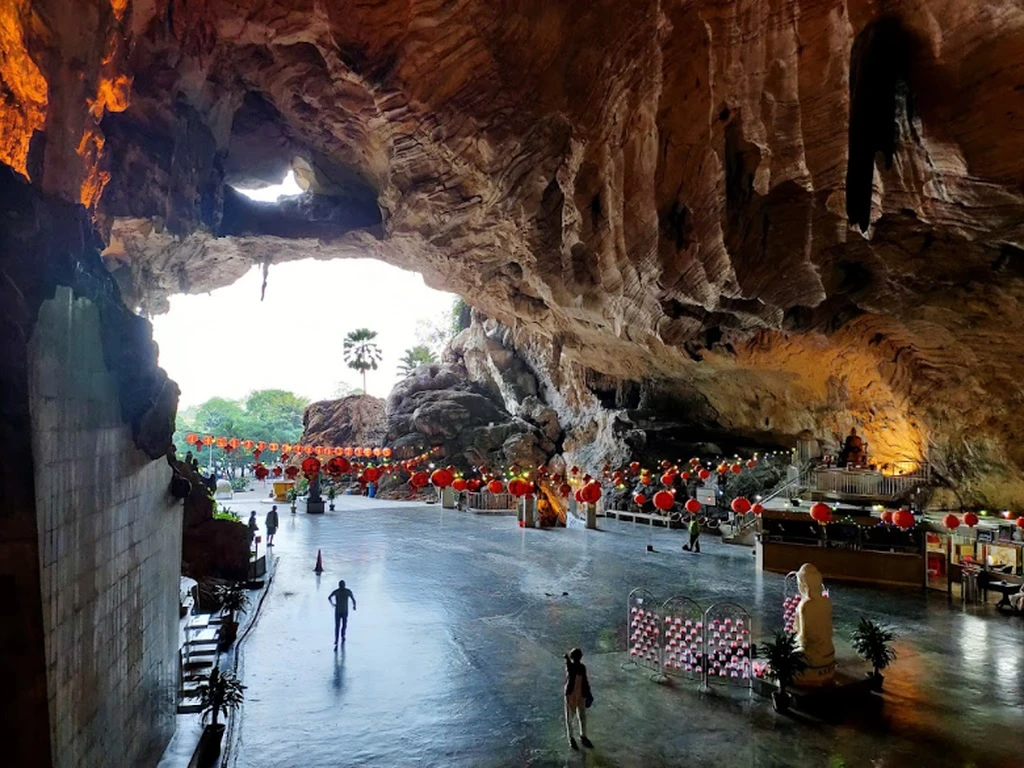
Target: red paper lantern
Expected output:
[575,470]
[420,479]
[385,452]
[359,452]
[564,490]
[640,499]
[751,464]
[372,474]
[277,471]
[473,484]
[668,478]
[348,451]
[376,452]
[285,447]
[459,485]
[664,500]
[886,517]
[970,519]
[692,506]
[591,492]
[634,467]
[296,449]
[951,522]
[495,486]
[1020,522]
[207,440]
[261,445]
[821,513]
[757,509]
[740,505]
[722,468]
[578,495]
[234,442]
[307,449]
[904,519]
[221,442]
[737,468]
[318,450]
[272,447]
[442,478]
[291,472]
[310,466]
[685,475]
[191,438]
[261,472]
[646,479]
[518,487]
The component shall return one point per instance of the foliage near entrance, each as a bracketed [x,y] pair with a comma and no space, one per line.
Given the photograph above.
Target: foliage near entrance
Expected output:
[271,415]
[413,358]
[361,351]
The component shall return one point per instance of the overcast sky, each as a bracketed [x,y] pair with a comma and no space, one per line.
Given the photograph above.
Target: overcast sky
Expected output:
[206,346]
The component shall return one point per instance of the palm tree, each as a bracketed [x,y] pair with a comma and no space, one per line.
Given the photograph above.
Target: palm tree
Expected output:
[360,352]
[413,358]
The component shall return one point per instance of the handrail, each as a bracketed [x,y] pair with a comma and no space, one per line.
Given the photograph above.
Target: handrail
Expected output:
[751,521]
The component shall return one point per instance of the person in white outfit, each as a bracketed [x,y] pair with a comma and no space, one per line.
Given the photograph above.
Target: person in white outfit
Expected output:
[577,696]
[1017,600]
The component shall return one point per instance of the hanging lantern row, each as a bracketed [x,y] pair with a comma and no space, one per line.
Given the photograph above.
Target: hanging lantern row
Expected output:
[347,451]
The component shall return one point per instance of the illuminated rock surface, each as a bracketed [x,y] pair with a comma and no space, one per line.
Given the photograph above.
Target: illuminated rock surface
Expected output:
[644,192]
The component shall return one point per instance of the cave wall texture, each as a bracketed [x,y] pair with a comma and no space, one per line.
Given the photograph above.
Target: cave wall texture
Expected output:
[786,214]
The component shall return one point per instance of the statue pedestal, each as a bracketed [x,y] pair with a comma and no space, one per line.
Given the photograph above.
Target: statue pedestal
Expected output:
[315,507]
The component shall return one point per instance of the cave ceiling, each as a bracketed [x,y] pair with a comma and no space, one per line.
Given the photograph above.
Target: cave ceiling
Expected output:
[805,211]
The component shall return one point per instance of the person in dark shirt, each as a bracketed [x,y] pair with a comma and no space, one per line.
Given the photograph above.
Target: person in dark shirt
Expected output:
[577,696]
[339,599]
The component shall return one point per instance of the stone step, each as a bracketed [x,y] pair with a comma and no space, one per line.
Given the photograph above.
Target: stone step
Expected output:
[189,705]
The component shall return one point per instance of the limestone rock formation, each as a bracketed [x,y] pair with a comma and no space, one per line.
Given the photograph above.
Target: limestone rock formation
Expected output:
[356,420]
[786,215]
[438,406]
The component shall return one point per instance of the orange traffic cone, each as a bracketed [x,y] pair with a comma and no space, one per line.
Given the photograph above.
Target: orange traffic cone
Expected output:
[319,563]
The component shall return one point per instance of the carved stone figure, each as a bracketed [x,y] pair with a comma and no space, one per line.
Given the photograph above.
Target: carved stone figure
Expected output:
[813,627]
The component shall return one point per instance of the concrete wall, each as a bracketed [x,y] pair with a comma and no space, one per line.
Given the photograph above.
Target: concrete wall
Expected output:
[109,553]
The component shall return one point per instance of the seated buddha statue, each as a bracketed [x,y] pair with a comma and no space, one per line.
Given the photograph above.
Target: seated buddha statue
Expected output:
[853,452]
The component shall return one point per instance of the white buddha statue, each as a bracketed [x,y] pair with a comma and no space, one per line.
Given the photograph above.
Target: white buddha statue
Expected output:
[813,628]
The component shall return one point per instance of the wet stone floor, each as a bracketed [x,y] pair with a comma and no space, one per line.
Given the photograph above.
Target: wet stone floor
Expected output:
[454,655]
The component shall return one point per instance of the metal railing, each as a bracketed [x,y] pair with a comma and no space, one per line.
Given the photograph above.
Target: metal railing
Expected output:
[846,482]
[492,502]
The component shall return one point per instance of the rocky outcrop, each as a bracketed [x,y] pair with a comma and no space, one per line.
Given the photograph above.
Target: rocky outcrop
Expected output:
[356,420]
[788,215]
[438,406]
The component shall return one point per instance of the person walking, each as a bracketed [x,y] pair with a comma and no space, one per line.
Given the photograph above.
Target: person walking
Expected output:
[253,527]
[272,523]
[577,696]
[339,599]
[694,544]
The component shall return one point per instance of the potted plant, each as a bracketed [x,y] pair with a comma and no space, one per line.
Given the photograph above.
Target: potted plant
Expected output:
[292,497]
[785,662]
[233,599]
[873,643]
[331,493]
[221,693]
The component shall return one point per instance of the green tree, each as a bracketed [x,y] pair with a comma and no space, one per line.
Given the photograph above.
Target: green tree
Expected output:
[361,352]
[437,332]
[413,358]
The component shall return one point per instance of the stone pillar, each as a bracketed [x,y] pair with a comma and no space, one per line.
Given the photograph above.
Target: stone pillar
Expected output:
[528,505]
[592,516]
[447,498]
